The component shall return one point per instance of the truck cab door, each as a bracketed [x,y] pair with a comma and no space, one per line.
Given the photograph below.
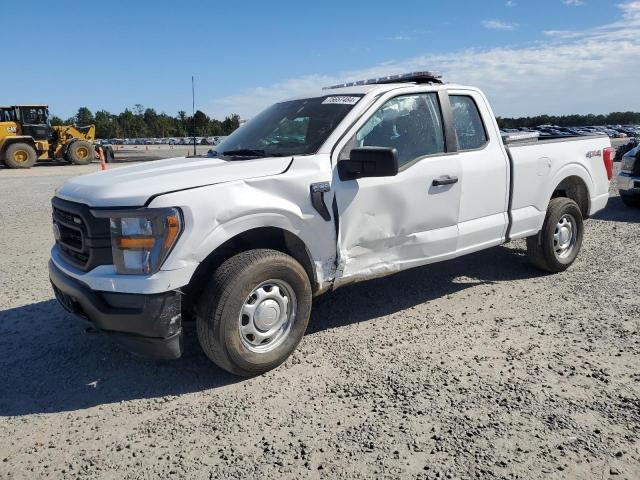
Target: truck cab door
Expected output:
[485,194]
[388,224]
[35,122]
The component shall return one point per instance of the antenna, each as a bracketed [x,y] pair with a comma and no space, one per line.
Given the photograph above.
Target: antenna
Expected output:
[193,114]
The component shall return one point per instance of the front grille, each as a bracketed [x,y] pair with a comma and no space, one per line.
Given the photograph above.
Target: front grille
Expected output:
[70,228]
[84,240]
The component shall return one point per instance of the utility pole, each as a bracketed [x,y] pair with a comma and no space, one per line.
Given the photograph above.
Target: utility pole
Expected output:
[193,114]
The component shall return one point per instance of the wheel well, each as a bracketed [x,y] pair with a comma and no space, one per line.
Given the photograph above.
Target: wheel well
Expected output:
[574,188]
[11,140]
[263,237]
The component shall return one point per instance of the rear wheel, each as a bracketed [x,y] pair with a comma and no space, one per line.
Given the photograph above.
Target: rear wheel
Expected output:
[254,311]
[556,247]
[20,155]
[80,152]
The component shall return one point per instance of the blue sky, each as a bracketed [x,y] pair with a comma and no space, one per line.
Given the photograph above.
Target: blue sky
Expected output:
[530,56]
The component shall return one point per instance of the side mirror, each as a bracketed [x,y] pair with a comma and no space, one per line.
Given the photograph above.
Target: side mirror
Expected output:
[369,162]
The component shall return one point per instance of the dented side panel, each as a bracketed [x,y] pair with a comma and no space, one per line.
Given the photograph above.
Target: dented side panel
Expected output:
[216,213]
[391,223]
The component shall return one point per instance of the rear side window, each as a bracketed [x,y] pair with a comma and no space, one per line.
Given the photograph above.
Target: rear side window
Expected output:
[468,123]
[412,124]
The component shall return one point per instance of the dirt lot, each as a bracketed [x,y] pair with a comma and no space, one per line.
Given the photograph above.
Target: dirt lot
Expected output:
[479,367]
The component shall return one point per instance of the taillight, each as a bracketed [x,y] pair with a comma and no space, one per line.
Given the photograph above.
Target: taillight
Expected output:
[607,157]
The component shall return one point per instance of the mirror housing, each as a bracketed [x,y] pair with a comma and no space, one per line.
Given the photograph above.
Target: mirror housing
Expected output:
[369,162]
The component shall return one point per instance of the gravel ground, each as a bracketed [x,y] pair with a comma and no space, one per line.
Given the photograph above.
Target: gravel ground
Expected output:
[479,367]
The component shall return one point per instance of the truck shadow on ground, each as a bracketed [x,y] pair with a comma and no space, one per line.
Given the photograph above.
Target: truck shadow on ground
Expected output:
[49,364]
[385,296]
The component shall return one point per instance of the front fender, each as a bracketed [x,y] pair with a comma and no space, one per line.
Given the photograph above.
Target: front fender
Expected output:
[217,213]
[283,220]
[17,139]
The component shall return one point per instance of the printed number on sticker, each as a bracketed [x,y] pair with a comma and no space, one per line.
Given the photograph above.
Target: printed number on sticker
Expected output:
[340,100]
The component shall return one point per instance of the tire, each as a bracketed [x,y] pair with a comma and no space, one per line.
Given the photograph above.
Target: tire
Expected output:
[20,155]
[546,250]
[225,331]
[109,157]
[630,200]
[80,152]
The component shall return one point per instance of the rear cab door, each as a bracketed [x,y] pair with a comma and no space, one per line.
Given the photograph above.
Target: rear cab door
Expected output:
[484,201]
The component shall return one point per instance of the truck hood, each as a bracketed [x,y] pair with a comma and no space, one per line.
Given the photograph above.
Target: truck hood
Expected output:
[134,185]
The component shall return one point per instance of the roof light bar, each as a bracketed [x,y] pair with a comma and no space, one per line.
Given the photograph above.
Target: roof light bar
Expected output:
[414,77]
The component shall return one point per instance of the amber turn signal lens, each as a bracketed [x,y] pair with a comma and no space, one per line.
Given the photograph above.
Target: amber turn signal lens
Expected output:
[135,243]
[173,229]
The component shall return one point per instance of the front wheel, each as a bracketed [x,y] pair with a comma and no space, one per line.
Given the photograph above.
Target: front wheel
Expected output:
[254,311]
[80,152]
[556,246]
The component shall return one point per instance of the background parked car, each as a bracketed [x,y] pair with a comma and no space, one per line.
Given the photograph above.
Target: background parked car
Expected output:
[629,178]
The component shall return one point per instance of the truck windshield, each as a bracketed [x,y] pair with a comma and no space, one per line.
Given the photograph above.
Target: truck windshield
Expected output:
[296,127]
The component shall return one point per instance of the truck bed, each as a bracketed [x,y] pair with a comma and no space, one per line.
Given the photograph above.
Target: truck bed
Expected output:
[543,164]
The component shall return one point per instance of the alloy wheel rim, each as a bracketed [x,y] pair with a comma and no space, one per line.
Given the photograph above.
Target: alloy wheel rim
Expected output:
[565,236]
[267,316]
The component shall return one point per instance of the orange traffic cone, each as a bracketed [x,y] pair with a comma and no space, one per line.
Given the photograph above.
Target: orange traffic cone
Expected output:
[103,163]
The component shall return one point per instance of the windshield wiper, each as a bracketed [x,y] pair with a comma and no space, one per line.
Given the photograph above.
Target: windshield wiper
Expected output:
[252,153]
[245,152]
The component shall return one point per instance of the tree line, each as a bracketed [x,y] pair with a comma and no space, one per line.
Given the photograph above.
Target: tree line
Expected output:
[615,118]
[146,122]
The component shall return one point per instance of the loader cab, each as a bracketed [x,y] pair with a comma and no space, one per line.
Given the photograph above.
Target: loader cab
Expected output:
[34,120]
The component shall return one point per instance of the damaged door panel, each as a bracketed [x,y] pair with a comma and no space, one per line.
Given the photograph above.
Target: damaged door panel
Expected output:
[396,222]
[388,224]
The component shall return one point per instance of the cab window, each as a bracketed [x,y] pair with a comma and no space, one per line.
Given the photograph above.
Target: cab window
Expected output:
[34,116]
[6,115]
[412,124]
[468,123]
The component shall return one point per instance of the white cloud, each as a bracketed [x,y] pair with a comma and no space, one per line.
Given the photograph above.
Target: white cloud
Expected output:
[499,25]
[510,3]
[631,10]
[573,3]
[590,71]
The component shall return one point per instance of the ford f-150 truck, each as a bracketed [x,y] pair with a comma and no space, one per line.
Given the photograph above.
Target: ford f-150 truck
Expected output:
[350,183]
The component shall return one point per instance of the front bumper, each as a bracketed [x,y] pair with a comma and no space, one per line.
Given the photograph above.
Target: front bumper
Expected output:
[148,325]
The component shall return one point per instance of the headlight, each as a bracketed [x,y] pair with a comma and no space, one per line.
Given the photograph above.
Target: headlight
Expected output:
[627,163]
[141,240]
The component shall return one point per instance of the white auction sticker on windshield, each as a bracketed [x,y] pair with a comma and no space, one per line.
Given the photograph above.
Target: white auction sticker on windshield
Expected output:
[341,100]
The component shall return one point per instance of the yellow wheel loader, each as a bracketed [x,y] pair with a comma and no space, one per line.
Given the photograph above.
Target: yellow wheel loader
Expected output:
[26,136]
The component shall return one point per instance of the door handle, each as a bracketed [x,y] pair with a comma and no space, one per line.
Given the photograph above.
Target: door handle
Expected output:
[445,180]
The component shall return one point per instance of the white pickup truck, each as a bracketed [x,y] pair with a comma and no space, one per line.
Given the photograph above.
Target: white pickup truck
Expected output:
[351,183]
